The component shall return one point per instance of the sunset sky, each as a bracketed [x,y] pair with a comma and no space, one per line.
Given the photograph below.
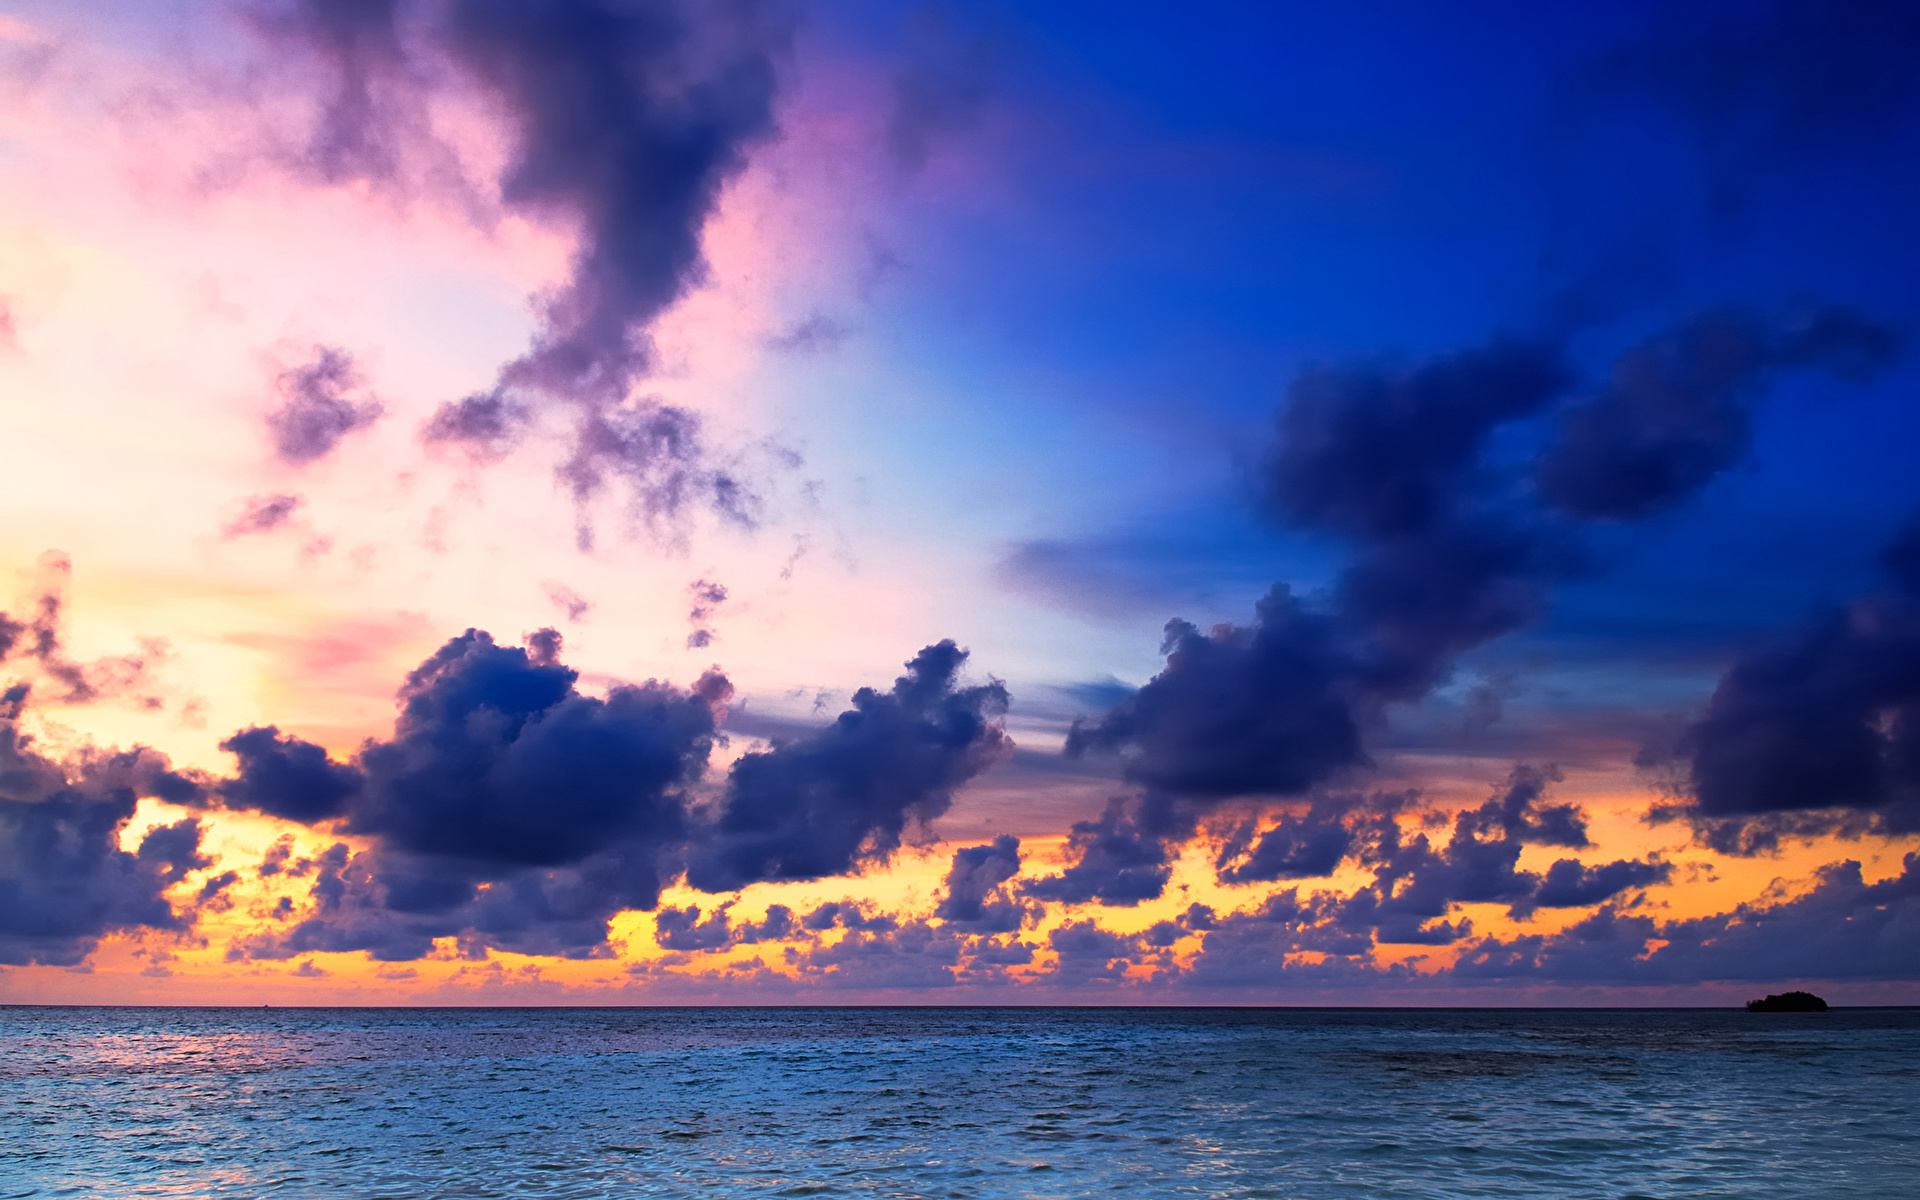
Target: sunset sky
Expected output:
[1404,503]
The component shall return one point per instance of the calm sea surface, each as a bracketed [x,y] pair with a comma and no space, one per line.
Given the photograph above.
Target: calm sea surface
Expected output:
[116,1102]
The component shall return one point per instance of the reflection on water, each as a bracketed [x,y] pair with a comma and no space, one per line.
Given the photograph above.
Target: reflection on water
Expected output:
[957,1103]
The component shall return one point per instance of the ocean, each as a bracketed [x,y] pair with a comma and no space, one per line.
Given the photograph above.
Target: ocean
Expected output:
[958,1102]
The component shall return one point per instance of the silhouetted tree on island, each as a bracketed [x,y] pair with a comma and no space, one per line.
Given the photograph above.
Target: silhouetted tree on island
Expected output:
[1789,1002]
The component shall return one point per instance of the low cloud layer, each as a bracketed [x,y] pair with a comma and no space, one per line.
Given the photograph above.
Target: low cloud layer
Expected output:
[510,810]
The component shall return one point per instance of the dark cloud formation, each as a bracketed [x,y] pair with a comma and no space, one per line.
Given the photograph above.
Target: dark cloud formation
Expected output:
[317,409]
[357,45]
[507,806]
[1570,884]
[1121,859]
[1451,544]
[1679,410]
[1844,928]
[1268,708]
[912,955]
[977,897]
[1827,717]
[497,758]
[1841,929]
[1300,846]
[508,810]
[486,426]
[658,452]
[64,880]
[1251,949]
[627,118]
[1416,888]
[682,929]
[830,802]
[288,778]
[1390,460]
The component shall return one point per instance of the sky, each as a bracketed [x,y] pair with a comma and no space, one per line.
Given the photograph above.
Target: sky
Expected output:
[649,502]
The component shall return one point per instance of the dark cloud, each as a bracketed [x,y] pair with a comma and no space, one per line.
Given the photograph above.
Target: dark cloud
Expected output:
[1121,859]
[1750,835]
[357,45]
[629,118]
[1679,410]
[1450,543]
[682,929]
[1844,928]
[1570,884]
[1098,693]
[626,120]
[848,914]
[316,410]
[496,758]
[876,951]
[487,425]
[1389,460]
[507,807]
[1300,846]
[827,803]
[508,810]
[1251,949]
[263,514]
[212,895]
[1239,710]
[1416,888]
[288,778]
[1090,954]
[395,905]
[1825,717]
[977,898]
[658,452]
[64,880]
[912,955]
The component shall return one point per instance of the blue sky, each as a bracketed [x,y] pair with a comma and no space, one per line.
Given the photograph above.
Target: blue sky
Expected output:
[781,341]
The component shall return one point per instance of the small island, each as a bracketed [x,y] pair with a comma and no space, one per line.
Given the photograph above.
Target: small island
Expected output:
[1789,1002]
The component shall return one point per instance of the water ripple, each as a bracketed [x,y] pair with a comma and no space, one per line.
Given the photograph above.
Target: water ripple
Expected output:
[1039,1103]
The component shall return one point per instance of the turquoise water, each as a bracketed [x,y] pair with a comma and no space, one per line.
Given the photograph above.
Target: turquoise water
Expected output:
[118,1102]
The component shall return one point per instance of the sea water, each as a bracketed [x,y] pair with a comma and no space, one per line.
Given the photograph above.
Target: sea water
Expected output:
[942,1102]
